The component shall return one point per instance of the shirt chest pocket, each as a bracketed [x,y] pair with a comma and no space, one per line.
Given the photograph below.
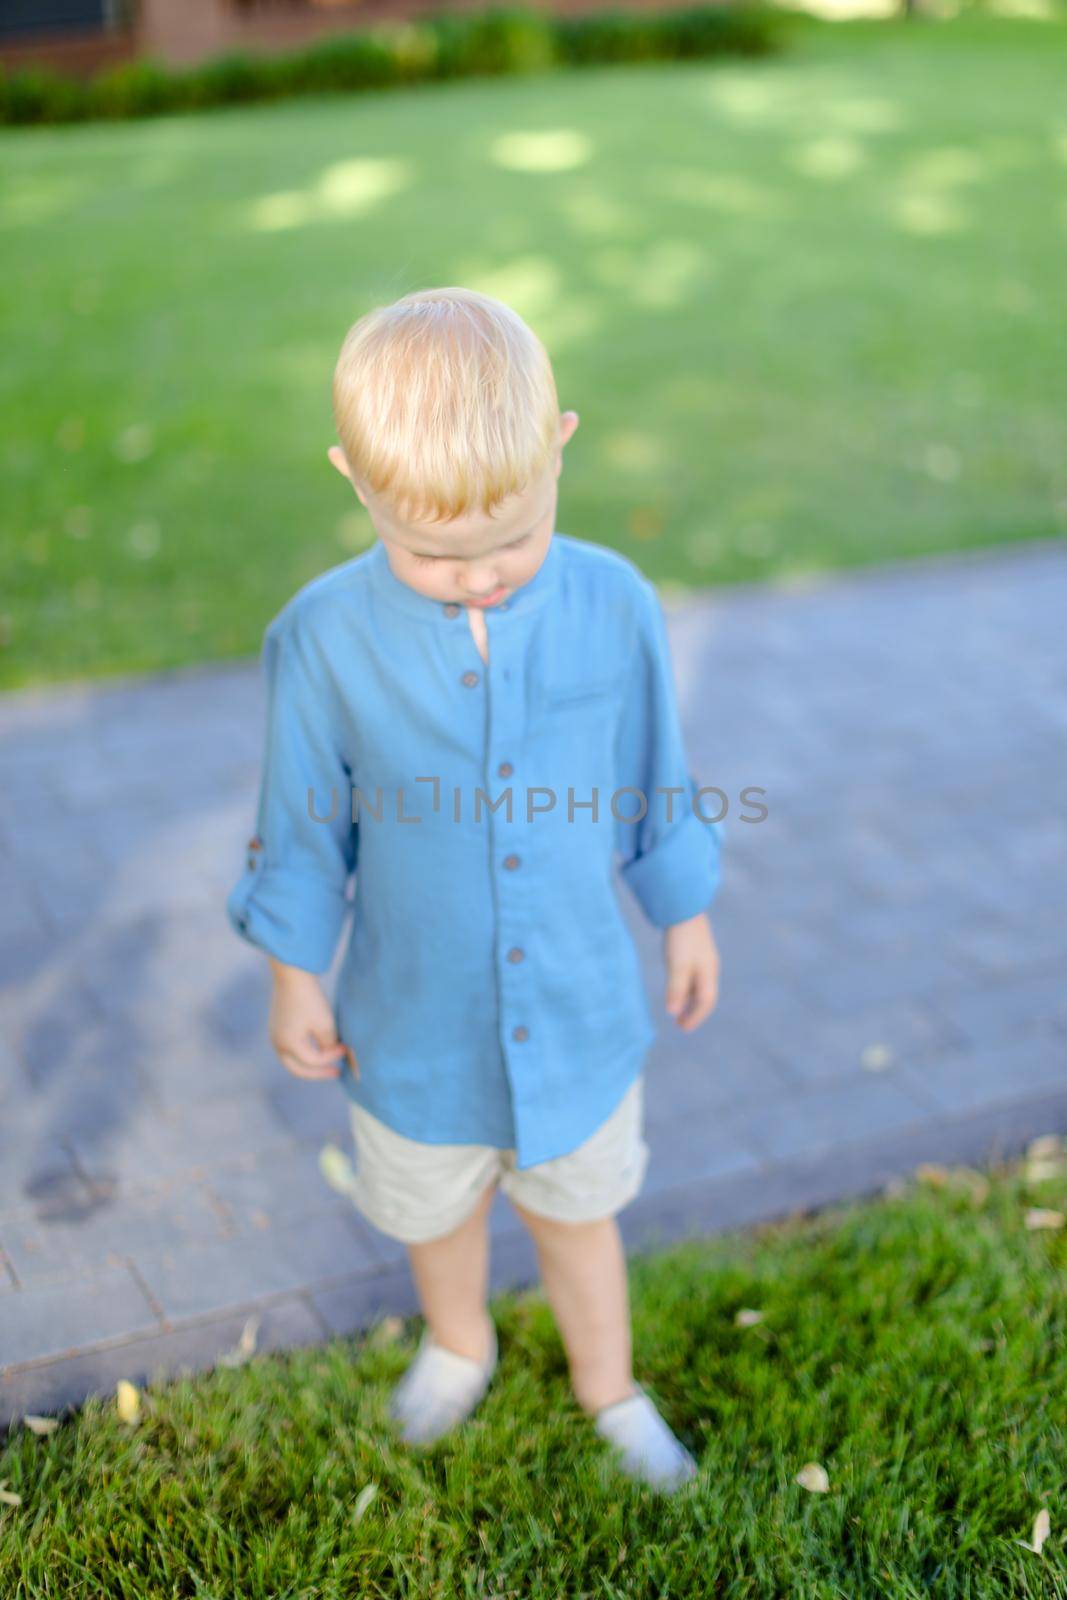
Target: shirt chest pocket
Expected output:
[577,699]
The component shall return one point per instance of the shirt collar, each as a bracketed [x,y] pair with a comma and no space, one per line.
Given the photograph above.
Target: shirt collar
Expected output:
[519,603]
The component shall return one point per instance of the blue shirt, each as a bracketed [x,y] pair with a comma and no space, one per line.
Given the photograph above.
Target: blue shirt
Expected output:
[490,988]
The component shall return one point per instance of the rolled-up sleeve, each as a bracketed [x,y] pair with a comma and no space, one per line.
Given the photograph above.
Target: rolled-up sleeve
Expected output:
[291,898]
[670,854]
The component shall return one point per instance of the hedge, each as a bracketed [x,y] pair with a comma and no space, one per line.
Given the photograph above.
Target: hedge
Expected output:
[444,45]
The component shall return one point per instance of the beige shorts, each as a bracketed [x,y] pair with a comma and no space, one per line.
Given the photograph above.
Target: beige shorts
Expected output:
[416,1192]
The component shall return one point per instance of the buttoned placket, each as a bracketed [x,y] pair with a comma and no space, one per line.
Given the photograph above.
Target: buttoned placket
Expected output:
[501,685]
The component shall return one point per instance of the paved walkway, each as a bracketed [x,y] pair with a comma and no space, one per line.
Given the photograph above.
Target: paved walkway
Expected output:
[893,941]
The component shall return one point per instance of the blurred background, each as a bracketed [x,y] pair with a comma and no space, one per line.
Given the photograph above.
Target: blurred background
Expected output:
[806,304]
[800,272]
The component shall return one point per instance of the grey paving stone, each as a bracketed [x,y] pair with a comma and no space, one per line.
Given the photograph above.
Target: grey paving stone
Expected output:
[159,1142]
[1014,1070]
[36,1169]
[701,1079]
[44,1034]
[315,1111]
[277,1189]
[44,1249]
[859,980]
[184,1071]
[687,1147]
[829,1116]
[204,1277]
[48,1319]
[874,1040]
[56,1388]
[14,1081]
[1002,944]
[352,1306]
[1007,1006]
[21,915]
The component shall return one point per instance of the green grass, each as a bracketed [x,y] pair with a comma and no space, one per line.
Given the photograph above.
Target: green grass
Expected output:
[914,1345]
[809,309]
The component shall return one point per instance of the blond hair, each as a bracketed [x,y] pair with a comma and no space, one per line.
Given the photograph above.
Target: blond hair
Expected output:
[445,402]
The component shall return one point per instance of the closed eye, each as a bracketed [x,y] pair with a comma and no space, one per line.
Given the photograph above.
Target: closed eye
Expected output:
[424,561]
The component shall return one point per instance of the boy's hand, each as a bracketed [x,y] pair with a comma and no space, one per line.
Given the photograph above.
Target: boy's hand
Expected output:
[301,1025]
[692,971]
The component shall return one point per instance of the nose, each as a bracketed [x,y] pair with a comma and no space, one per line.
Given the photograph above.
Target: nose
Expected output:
[478,591]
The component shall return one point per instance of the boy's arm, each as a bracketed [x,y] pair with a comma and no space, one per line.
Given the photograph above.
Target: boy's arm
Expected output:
[290,900]
[670,857]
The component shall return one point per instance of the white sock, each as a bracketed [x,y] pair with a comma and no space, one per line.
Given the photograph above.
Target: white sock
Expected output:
[649,1449]
[439,1389]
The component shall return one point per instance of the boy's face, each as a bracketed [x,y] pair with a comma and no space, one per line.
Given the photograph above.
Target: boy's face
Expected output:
[476,560]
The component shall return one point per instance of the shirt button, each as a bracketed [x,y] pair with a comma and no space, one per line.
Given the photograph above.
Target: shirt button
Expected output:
[505,769]
[511,861]
[451,609]
[470,679]
[515,954]
[520,1033]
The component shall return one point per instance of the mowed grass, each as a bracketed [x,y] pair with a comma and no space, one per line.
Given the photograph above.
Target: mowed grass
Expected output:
[913,1346]
[808,308]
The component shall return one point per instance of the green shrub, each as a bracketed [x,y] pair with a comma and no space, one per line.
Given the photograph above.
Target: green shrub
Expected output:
[231,79]
[497,41]
[35,94]
[707,30]
[500,40]
[134,89]
[353,61]
[607,36]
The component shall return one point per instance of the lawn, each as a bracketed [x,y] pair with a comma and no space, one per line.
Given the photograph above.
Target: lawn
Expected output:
[913,1346]
[808,308]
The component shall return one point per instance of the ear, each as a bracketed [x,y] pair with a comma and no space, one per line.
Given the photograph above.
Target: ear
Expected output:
[337,456]
[568,422]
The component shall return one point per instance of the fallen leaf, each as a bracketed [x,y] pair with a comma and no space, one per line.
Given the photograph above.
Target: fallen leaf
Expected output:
[41,1424]
[1042,1171]
[747,1318]
[966,1179]
[1040,1532]
[245,1346]
[812,1476]
[336,1168]
[388,1329]
[1038,1217]
[1048,1147]
[875,1057]
[128,1401]
[976,1183]
[363,1500]
[1046,1158]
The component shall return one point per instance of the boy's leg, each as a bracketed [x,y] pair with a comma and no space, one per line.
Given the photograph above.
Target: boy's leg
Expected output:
[452,1279]
[583,1269]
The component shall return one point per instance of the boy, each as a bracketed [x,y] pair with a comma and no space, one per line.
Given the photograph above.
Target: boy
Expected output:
[472,717]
